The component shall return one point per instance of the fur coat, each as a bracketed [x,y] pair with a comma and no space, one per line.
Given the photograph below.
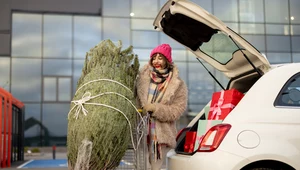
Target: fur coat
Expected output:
[171,107]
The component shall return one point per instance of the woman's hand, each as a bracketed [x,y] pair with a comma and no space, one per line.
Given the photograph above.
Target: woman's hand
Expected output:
[149,108]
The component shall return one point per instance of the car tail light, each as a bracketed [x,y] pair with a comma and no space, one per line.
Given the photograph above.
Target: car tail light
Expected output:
[213,138]
[190,139]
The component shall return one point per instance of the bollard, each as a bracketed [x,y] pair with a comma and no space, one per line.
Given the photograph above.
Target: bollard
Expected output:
[53,151]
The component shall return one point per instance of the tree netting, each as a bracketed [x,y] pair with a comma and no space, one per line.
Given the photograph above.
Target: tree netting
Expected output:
[102,115]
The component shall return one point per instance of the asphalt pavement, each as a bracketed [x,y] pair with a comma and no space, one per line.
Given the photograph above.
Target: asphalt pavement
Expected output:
[49,156]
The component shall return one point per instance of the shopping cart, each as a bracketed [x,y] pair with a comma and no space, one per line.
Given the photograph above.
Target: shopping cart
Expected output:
[136,159]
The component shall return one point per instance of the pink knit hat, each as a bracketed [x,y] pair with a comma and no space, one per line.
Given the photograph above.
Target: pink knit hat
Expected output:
[163,49]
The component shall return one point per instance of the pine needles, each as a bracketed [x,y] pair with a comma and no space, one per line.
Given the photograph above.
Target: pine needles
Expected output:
[105,127]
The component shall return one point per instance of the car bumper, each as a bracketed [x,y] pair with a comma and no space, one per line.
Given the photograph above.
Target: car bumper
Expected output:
[217,160]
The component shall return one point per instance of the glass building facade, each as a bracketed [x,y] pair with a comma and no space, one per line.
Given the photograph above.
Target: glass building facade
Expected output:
[48,52]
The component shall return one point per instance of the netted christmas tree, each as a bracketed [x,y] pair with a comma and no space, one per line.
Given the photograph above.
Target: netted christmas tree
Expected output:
[102,115]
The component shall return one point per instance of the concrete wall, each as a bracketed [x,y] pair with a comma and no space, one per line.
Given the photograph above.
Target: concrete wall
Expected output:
[89,7]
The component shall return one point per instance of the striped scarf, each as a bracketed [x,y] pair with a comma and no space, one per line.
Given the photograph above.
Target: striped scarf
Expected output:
[159,82]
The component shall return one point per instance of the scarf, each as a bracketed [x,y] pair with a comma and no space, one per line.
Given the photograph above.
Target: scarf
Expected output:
[158,85]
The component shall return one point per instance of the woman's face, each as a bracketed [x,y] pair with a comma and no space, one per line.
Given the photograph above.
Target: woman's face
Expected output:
[159,62]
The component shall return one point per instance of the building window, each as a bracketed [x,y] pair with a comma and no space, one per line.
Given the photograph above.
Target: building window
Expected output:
[57,36]
[26,35]
[57,89]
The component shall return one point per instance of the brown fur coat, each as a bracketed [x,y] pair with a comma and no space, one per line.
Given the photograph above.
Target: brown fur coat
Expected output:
[171,107]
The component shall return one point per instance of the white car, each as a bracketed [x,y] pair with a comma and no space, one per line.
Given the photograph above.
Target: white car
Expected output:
[263,131]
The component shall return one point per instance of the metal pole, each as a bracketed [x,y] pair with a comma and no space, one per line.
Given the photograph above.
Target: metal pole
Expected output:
[145,147]
[53,151]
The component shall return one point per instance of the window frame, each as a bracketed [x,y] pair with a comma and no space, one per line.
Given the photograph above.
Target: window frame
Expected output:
[278,101]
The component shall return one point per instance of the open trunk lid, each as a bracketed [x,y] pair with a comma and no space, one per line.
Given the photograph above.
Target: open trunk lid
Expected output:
[210,39]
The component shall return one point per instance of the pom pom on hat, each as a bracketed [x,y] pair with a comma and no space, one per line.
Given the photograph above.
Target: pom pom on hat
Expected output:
[163,49]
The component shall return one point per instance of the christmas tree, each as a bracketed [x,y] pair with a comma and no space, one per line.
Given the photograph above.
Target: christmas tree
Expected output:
[102,114]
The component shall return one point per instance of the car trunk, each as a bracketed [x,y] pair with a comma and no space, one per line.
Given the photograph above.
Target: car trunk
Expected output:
[210,39]
[212,42]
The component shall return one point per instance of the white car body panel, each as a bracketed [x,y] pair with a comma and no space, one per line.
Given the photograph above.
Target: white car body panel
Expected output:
[283,144]
[203,161]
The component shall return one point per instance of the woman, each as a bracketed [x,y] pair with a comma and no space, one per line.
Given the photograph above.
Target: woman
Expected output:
[162,94]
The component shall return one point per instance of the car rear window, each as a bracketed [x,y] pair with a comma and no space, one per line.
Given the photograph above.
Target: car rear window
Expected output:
[290,94]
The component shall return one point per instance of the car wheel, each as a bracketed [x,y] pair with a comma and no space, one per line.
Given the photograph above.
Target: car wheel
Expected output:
[261,169]
[269,168]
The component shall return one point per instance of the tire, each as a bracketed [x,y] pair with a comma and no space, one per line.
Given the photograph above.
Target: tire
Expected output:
[279,168]
[268,166]
[261,169]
